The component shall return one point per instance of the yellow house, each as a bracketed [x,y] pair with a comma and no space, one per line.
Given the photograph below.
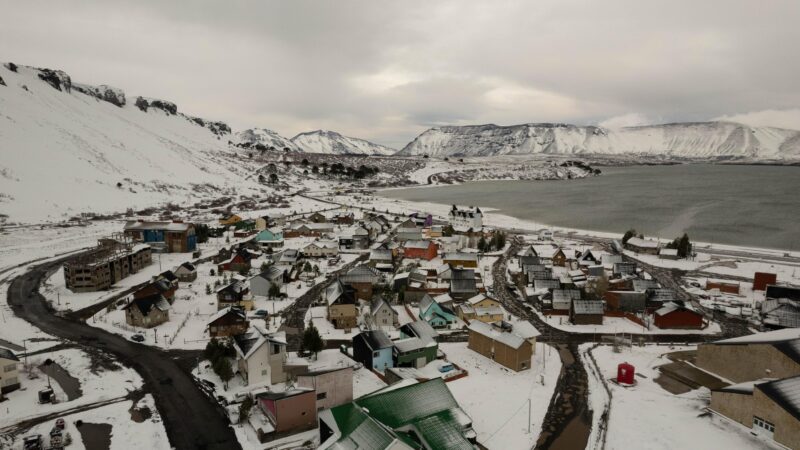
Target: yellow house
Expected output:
[482,308]
[230,220]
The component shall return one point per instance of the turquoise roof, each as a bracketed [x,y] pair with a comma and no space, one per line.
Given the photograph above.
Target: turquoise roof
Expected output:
[267,236]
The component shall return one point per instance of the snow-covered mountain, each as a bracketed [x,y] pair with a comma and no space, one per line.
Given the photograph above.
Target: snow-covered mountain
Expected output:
[262,136]
[331,142]
[69,148]
[686,140]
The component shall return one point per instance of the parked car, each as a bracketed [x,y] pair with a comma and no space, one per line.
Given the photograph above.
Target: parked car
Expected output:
[137,338]
[261,313]
[446,368]
[32,442]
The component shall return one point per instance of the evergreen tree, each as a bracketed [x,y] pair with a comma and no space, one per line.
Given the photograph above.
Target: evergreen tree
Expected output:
[244,409]
[312,341]
[482,244]
[628,234]
[274,291]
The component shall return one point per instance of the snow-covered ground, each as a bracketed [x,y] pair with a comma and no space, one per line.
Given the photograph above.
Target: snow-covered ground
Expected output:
[649,415]
[497,398]
[614,325]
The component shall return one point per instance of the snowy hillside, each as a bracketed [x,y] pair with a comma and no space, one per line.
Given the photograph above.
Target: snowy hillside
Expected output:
[262,136]
[331,142]
[723,140]
[70,148]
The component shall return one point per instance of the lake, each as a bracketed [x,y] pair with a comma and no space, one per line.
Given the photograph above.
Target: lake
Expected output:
[755,206]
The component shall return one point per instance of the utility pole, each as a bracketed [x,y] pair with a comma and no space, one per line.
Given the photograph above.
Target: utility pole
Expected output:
[529,415]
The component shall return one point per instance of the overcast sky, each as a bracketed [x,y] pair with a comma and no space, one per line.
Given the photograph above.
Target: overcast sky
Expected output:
[386,71]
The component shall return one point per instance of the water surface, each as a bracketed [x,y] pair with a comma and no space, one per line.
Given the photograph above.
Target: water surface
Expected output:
[742,205]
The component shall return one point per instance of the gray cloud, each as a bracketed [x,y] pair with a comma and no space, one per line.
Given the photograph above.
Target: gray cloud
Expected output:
[387,70]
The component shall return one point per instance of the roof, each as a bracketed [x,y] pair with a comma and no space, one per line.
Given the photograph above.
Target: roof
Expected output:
[246,344]
[337,290]
[418,244]
[785,392]
[375,339]
[139,225]
[374,421]
[642,243]
[410,344]
[268,236]
[146,304]
[225,311]
[460,256]
[421,329]
[479,298]
[669,251]
[377,303]
[272,395]
[380,255]
[8,354]
[270,273]
[458,285]
[236,287]
[671,307]
[773,291]
[587,306]
[770,337]
[498,333]
[361,274]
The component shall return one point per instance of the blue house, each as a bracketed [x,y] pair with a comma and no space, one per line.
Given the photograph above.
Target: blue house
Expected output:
[269,239]
[436,315]
[373,349]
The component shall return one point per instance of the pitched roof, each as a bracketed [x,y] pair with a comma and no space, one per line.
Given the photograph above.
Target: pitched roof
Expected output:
[225,311]
[418,244]
[8,354]
[375,339]
[789,292]
[460,256]
[785,392]
[587,306]
[146,304]
[770,337]
[642,243]
[246,344]
[421,329]
[361,274]
[377,303]
[139,225]
[498,333]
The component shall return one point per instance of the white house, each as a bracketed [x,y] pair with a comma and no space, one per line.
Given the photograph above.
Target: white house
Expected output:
[260,356]
[260,284]
[318,249]
[9,375]
[466,218]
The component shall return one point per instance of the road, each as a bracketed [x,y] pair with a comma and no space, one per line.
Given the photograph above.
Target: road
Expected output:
[192,420]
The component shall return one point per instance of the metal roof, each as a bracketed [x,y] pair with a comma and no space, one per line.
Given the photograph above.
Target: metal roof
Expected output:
[786,393]
[587,306]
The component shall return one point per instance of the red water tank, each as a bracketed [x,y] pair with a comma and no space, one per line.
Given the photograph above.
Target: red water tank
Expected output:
[625,373]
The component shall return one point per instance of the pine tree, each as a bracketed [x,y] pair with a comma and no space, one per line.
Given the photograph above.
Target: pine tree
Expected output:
[312,341]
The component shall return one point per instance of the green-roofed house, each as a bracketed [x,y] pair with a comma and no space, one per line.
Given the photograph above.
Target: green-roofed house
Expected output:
[269,239]
[405,415]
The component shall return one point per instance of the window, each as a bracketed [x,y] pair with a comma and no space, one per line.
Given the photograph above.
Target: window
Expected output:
[375,354]
[763,424]
[276,348]
[10,367]
[264,372]
[322,395]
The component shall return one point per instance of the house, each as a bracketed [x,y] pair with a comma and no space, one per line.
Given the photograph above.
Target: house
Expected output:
[624,268]
[773,354]
[771,408]
[373,349]
[109,262]
[381,259]
[780,313]
[463,284]
[342,304]
[422,219]
[586,312]
[562,299]
[171,237]
[668,253]
[404,416]
[355,237]
[260,356]
[186,272]
[9,374]
[344,218]
[436,314]
[362,278]
[419,329]
[408,231]
[762,279]
[238,262]
[229,321]
[729,287]
[333,386]
[157,286]
[511,345]
[546,235]
[147,312]
[426,250]
[558,258]
[260,284]
[381,315]
[675,316]
[269,239]
[229,219]
[481,308]
[288,257]
[235,293]
[464,260]
[414,351]
[628,301]
[640,245]
[289,412]
[320,249]
[317,217]
[465,219]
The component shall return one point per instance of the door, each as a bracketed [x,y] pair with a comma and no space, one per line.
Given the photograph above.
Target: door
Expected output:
[763,428]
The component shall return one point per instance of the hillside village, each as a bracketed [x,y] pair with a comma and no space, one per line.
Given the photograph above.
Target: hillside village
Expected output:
[307,325]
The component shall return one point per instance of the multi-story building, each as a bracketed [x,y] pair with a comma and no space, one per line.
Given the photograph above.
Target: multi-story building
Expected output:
[112,260]
[466,219]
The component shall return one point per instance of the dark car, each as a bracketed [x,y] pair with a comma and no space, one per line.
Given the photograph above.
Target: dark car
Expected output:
[137,338]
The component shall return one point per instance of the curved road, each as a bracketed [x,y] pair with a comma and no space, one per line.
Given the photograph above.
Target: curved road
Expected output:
[191,419]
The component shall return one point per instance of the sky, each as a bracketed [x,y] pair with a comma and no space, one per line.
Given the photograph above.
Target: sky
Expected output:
[387,70]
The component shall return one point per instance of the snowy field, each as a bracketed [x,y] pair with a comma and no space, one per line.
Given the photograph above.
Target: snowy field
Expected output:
[497,398]
[647,413]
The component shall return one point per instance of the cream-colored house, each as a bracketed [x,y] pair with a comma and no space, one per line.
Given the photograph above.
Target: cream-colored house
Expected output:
[9,374]
[482,308]
[321,249]
[260,356]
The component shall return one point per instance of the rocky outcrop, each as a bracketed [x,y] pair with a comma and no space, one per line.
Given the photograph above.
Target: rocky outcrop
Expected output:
[146,103]
[105,93]
[11,66]
[2,83]
[218,128]
[58,79]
